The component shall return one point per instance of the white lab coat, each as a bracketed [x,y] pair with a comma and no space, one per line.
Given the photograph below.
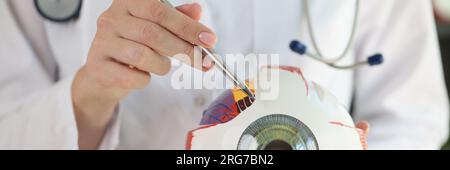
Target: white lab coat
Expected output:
[405,99]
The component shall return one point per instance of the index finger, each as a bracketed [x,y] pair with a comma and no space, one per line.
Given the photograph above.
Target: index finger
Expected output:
[179,24]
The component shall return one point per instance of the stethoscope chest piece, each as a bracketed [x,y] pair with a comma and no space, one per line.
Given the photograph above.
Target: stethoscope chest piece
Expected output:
[59,10]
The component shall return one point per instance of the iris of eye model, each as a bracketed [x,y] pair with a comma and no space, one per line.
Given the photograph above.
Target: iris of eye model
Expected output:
[277,132]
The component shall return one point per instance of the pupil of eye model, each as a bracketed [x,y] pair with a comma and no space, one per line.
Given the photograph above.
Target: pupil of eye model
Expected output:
[278,145]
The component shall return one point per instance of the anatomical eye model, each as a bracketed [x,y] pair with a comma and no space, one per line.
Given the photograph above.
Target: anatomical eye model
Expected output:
[302,117]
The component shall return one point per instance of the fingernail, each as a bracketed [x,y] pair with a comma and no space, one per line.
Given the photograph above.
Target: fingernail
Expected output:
[207,38]
[186,7]
[207,62]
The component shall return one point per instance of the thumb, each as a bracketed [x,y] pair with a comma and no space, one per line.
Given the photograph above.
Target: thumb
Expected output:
[363,128]
[193,10]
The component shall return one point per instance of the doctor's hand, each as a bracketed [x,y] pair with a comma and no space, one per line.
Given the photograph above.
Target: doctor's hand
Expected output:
[132,41]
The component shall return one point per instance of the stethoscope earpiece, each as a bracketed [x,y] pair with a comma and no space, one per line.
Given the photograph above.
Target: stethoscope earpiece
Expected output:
[375,59]
[298,47]
[59,10]
[301,49]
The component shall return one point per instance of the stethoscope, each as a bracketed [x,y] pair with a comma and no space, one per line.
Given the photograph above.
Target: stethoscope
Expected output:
[302,49]
[68,10]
